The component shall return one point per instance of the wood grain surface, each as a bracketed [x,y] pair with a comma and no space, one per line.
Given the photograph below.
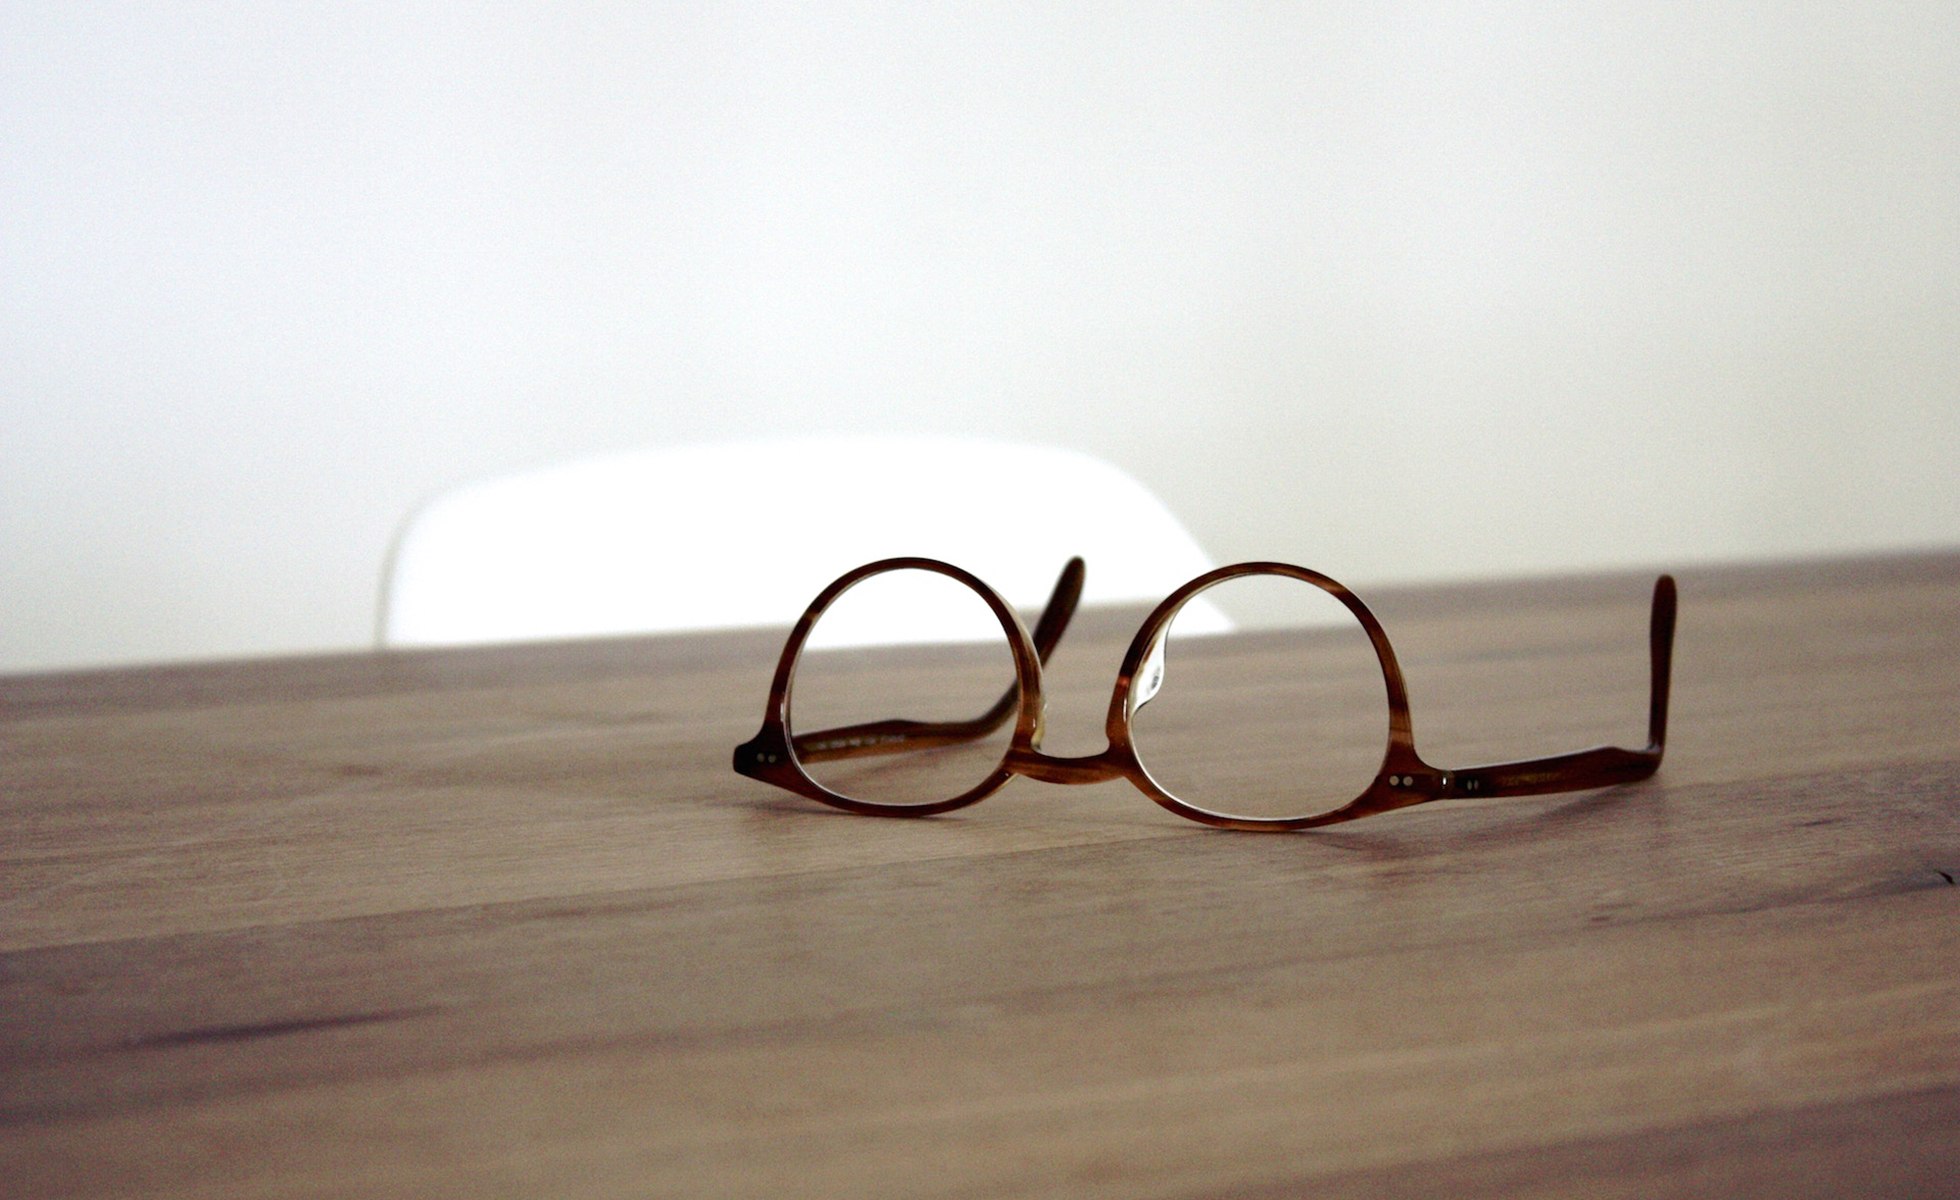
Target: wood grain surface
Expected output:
[502,922]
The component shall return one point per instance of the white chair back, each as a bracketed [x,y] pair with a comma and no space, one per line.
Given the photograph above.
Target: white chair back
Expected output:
[746,534]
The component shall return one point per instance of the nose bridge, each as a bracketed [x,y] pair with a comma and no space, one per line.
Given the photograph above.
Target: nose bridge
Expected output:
[1048,768]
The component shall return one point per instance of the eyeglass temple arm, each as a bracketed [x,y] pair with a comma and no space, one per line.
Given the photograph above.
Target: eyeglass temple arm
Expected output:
[1602,765]
[898,735]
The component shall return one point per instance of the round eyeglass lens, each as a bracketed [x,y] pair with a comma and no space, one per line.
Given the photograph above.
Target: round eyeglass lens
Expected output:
[906,646]
[1286,717]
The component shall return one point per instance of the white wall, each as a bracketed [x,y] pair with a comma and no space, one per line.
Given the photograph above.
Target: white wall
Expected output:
[1401,293]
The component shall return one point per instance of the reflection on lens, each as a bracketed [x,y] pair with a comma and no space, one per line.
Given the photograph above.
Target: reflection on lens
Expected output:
[909,645]
[1287,718]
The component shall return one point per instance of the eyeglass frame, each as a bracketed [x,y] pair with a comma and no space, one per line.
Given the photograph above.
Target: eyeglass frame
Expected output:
[776,756]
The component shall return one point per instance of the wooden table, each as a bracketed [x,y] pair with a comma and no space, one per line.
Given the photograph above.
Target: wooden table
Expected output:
[502,922]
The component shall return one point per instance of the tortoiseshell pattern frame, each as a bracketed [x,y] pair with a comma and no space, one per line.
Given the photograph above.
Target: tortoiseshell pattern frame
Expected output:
[776,756]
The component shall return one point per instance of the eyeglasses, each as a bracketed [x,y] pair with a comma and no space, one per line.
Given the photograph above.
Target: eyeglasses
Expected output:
[956,747]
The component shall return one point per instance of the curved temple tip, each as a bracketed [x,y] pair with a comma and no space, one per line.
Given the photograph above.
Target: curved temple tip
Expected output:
[1074,572]
[1661,646]
[1665,603]
[1060,607]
